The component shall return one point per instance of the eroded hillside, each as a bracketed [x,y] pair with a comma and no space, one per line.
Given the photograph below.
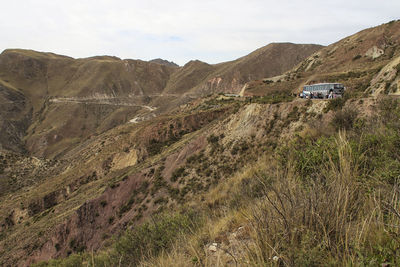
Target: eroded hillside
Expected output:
[159,176]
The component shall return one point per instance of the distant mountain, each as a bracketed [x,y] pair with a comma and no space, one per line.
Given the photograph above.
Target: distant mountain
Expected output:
[164,62]
[231,76]
[64,100]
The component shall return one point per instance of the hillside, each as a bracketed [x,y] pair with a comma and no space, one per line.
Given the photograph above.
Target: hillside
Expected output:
[199,178]
[67,100]
[63,101]
[268,61]
[365,62]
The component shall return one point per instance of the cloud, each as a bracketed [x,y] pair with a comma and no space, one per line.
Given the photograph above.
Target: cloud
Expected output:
[212,31]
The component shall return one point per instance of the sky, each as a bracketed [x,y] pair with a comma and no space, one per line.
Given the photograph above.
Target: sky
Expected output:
[182,30]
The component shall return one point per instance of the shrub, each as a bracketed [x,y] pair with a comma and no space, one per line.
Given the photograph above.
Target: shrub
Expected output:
[344,119]
[154,237]
[177,173]
[160,200]
[398,69]
[103,203]
[387,88]
[308,155]
[154,147]
[212,139]
[196,158]
[274,98]
[124,208]
[389,112]
[313,222]
[159,181]
[335,104]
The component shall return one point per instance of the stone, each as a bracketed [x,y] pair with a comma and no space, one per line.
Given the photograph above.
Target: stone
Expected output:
[374,52]
[213,247]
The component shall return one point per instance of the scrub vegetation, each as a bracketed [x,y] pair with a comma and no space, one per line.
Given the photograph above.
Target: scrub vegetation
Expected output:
[109,162]
[323,199]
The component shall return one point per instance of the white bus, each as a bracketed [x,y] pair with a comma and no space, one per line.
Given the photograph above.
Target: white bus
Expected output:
[323,90]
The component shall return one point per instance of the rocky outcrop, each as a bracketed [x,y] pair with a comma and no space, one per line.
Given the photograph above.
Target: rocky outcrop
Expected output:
[374,52]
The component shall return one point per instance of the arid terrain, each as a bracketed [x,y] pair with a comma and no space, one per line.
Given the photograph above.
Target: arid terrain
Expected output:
[107,162]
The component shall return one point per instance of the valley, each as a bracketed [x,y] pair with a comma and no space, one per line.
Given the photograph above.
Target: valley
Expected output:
[107,162]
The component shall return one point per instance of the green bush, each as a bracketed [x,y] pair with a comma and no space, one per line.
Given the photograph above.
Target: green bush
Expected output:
[74,260]
[309,155]
[154,237]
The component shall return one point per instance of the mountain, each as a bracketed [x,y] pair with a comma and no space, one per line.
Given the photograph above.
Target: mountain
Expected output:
[67,100]
[124,162]
[231,76]
[62,101]
[164,62]
[364,62]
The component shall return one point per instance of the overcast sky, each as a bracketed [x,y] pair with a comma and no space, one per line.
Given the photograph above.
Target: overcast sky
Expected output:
[182,30]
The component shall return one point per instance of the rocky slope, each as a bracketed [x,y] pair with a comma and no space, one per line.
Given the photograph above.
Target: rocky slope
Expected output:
[103,176]
[366,62]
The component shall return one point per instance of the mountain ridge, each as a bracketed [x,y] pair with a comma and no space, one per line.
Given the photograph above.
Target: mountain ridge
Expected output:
[42,77]
[358,57]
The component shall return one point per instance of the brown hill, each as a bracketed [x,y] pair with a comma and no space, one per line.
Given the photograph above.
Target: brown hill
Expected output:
[71,99]
[64,100]
[128,173]
[108,178]
[365,62]
[15,115]
[268,61]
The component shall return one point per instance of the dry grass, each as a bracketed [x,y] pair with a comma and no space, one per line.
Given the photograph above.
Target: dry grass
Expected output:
[312,202]
[335,219]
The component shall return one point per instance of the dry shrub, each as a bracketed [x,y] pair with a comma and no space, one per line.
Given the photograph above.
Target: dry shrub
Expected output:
[333,219]
[344,119]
